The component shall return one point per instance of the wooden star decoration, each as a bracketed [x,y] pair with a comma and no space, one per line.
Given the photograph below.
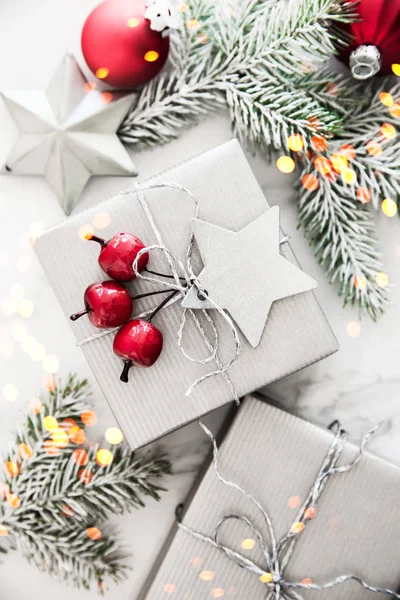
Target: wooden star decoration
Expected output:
[67,133]
[245,273]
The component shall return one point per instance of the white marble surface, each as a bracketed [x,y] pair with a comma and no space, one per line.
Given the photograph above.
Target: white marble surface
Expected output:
[359,385]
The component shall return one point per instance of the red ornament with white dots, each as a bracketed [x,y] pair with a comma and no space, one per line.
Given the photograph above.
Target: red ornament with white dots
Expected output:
[119,46]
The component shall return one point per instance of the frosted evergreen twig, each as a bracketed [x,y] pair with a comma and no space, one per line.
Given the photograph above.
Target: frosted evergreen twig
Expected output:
[56,495]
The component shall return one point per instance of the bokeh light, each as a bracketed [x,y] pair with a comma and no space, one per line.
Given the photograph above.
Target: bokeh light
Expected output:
[114,435]
[285,164]
[80,457]
[296,142]
[297,527]
[50,423]
[102,72]
[151,56]
[339,162]
[319,143]
[25,308]
[13,501]
[101,220]
[217,592]
[104,457]
[197,562]
[77,435]
[11,468]
[294,502]
[248,544]
[133,22]
[348,151]
[388,131]
[35,230]
[10,392]
[89,418]
[207,575]
[349,176]
[49,382]
[35,405]
[60,438]
[106,97]
[360,282]
[192,24]
[396,69]
[25,451]
[3,530]
[386,99]
[94,533]
[382,279]
[323,165]
[310,182]
[310,513]
[363,194]
[169,588]
[389,207]
[353,329]
[374,148]
[306,581]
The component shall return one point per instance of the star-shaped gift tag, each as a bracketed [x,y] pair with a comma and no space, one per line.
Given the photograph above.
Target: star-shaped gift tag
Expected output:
[244,272]
[67,133]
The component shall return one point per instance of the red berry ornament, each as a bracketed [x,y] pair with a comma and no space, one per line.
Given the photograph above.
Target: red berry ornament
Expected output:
[376,35]
[139,343]
[119,46]
[118,255]
[107,304]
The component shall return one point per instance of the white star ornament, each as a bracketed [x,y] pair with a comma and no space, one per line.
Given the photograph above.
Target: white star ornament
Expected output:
[66,133]
[244,272]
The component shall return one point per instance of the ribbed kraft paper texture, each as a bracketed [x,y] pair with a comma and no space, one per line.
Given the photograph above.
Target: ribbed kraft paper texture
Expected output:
[276,456]
[153,402]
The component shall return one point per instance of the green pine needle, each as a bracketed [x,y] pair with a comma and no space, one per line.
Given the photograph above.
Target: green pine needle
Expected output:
[50,504]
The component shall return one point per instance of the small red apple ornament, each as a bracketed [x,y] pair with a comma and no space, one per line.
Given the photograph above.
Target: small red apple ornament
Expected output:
[138,343]
[107,304]
[118,255]
[120,46]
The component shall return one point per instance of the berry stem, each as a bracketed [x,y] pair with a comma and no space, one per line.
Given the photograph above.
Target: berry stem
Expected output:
[161,305]
[94,238]
[124,375]
[162,274]
[78,315]
[150,294]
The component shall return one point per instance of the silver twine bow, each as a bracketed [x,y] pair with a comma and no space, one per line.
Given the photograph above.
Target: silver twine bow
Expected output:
[183,278]
[277,554]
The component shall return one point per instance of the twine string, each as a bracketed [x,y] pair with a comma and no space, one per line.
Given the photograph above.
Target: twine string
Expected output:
[183,279]
[278,554]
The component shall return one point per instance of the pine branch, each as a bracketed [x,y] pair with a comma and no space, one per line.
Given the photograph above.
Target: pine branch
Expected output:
[343,233]
[377,166]
[57,490]
[244,53]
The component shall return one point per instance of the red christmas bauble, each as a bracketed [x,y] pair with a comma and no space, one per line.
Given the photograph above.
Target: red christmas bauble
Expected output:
[119,46]
[376,45]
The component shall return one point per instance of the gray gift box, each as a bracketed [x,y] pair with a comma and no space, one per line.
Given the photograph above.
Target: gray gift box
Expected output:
[276,458]
[153,403]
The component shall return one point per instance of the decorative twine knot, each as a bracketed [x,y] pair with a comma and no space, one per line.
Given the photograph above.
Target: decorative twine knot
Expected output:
[277,554]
